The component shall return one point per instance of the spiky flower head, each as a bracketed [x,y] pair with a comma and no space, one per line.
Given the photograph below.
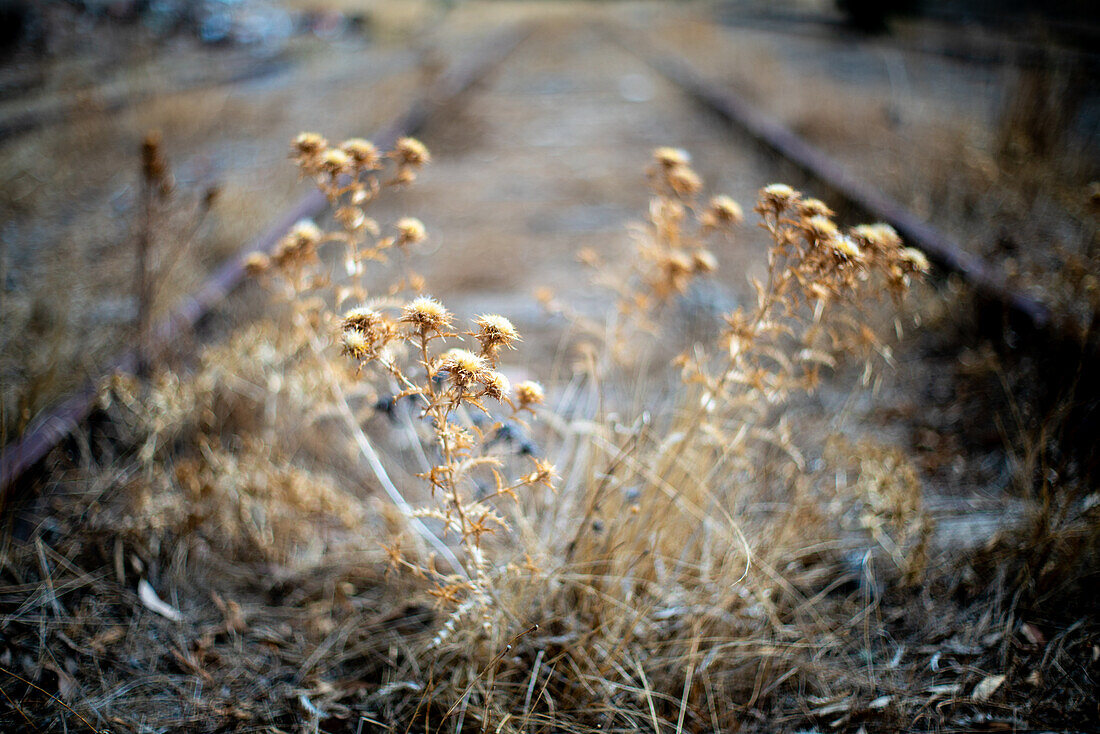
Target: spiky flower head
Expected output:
[354,344]
[306,233]
[877,237]
[335,161]
[412,152]
[363,152]
[410,231]
[463,366]
[529,393]
[846,249]
[820,229]
[495,332]
[309,144]
[814,208]
[543,473]
[776,198]
[299,244]
[256,263]
[683,180]
[676,263]
[496,384]
[671,157]
[362,318]
[703,261]
[426,315]
[913,260]
[725,210]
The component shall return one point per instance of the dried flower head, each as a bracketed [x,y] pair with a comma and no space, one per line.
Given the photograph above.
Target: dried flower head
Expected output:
[703,261]
[363,152]
[412,152]
[529,393]
[820,229]
[913,260]
[299,244]
[306,232]
[845,249]
[463,366]
[309,144]
[362,318]
[878,238]
[683,180]
[335,161]
[256,263]
[410,231]
[777,198]
[725,210]
[495,332]
[543,474]
[741,326]
[814,208]
[496,384]
[671,157]
[677,263]
[355,344]
[426,315]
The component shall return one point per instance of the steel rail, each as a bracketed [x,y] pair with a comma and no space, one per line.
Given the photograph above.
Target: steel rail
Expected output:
[74,106]
[986,280]
[55,425]
[947,43]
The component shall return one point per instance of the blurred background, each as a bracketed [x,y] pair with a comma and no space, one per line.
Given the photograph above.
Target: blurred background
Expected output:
[979,117]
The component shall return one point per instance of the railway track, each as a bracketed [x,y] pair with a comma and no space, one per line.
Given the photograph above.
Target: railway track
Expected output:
[81,102]
[953,37]
[47,432]
[55,425]
[986,280]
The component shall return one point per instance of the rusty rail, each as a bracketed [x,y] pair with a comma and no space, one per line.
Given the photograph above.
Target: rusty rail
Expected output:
[55,425]
[987,282]
[69,108]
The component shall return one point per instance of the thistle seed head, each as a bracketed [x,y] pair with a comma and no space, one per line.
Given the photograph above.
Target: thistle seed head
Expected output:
[309,144]
[410,231]
[913,260]
[846,248]
[412,152]
[703,261]
[425,315]
[671,157]
[256,263]
[335,161]
[820,229]
[362,152]
[877,237]
[306,234]
[362,318]
[496,384]
[463,366]
[495,332]
[529,393]
[725,210]
[354,344]
[683,180]
[777,198]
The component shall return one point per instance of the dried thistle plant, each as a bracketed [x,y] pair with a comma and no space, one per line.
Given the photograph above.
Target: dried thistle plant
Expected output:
[674,246]
[681,553]
[411,341]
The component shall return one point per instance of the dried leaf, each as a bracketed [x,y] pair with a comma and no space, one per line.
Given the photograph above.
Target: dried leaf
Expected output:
[152,602]
[1033,634]
[987,687]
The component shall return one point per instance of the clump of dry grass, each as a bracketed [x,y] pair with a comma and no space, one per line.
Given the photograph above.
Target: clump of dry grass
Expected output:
[577,558]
